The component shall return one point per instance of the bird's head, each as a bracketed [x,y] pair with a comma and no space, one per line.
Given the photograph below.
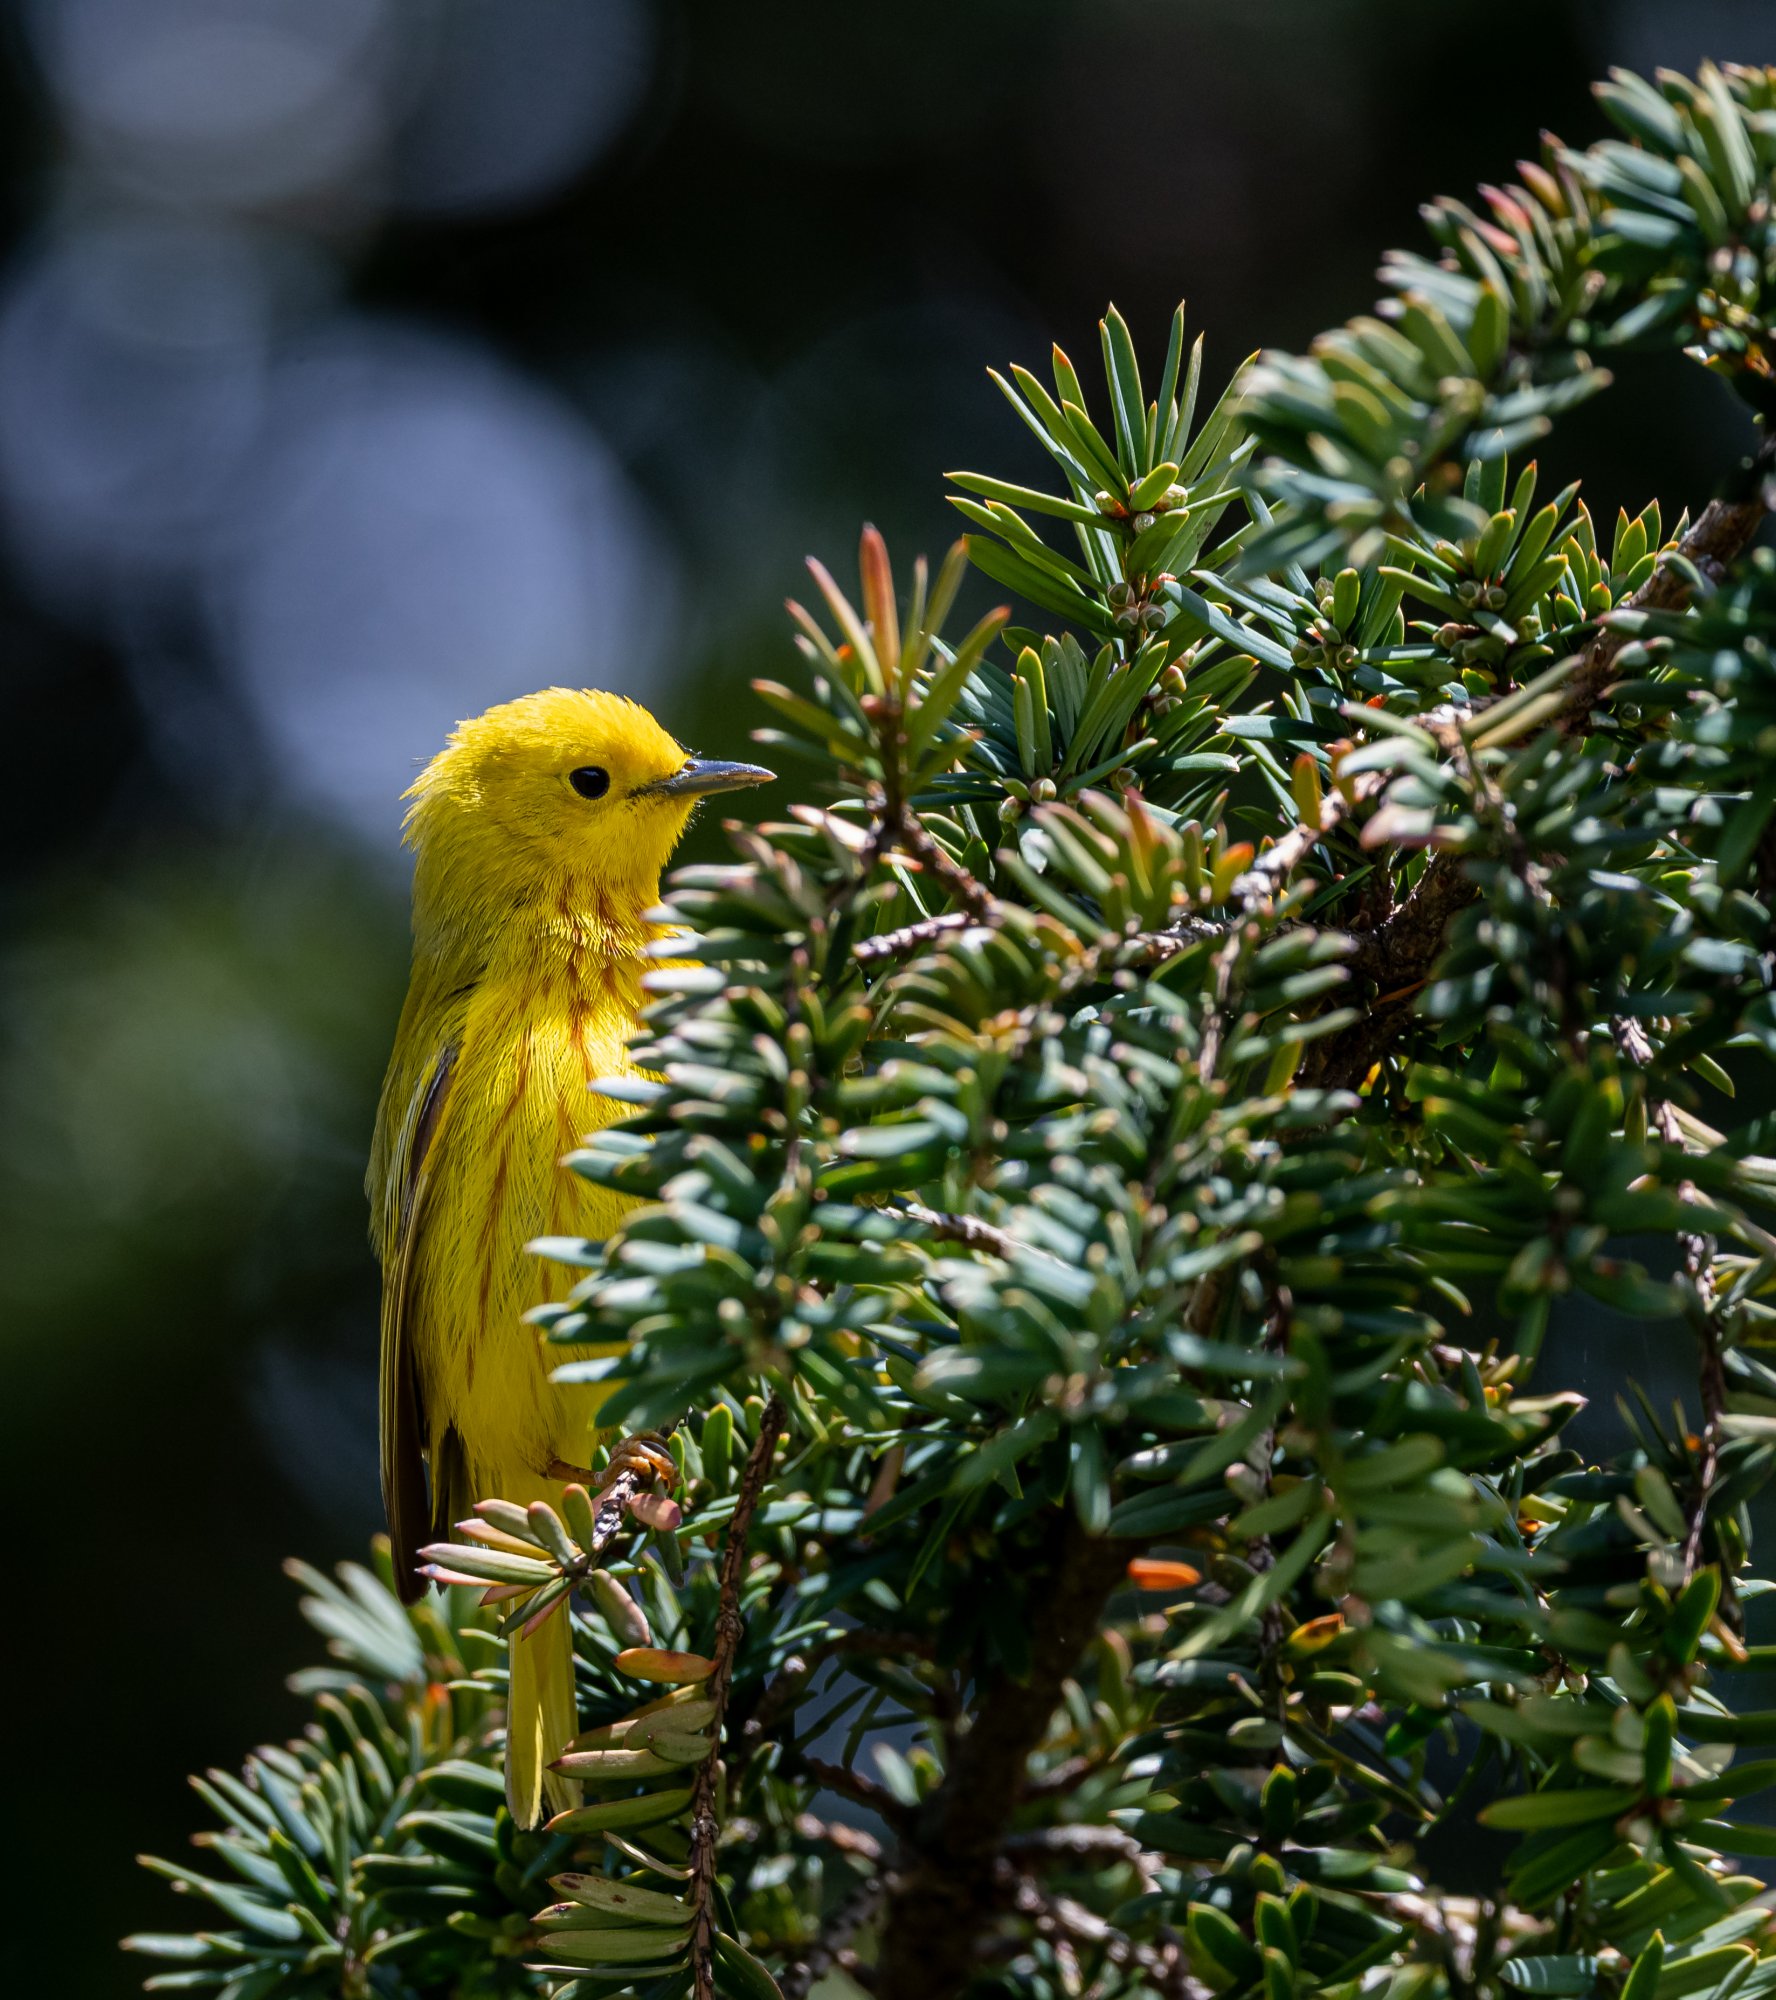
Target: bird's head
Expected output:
[570,784]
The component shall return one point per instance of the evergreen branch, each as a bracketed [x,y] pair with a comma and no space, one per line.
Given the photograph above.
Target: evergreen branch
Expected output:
[853,1785]
[1722,532]
[1070,1842]
[911,938]
[1208,1311]
[569,1544]
[968,1230]
[1163,1968]
[854,1913]
[1268,874]
[944,1879]
[854,1842]
[911,831]
[1398,955]
[729,1630]
[1697,1252]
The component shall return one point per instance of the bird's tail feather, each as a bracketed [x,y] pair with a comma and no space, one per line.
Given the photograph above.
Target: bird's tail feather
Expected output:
[541,1720]
[542,1717]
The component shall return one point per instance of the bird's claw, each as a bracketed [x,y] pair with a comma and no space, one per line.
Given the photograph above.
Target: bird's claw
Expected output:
[644,1455]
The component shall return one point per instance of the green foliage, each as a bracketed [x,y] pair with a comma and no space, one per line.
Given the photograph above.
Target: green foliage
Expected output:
[1660,238]
[1137,1128]
[375,1854]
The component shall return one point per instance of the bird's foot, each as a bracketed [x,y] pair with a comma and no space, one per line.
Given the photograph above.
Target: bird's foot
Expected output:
[645,1455]
[637,1481]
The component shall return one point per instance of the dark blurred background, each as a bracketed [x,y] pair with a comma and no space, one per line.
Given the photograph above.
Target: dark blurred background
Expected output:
[364,362]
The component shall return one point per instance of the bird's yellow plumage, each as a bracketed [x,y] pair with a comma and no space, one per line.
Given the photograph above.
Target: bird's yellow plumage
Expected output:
[539,834]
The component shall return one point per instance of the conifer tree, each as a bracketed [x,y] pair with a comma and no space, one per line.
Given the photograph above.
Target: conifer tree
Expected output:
[1121,1146]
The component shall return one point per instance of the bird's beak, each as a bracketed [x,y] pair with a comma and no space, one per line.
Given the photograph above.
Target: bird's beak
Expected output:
[704,774]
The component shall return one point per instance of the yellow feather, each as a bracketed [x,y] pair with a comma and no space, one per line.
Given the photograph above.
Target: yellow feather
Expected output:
[530,926]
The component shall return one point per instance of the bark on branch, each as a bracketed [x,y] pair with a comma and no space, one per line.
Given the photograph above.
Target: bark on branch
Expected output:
[1398,956]
[729,1630]
[902,943]
[945,1878]
[968,1230]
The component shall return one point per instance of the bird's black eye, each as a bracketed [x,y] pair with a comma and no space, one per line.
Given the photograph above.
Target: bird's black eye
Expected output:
[591,781]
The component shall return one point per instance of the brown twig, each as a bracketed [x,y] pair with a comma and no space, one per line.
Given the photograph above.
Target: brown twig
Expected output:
[1267,874]
[729,1629]
[1144,948]
[896,818]
[1136,949]
[1712,1385]
[1074,1843]
[1279,1313]
[956,879]
[1397,956]
[1215,1031]
[968,1230]
[857,1909]
[1163,1967]
[849,1784]
[1280,860]
[1698,1263]
[945,1879]
[909,938]
[851,1841]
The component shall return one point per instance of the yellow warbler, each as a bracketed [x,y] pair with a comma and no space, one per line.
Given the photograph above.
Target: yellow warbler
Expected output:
[539,834]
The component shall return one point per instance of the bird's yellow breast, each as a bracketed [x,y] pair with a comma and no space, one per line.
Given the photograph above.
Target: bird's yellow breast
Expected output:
[533,1039]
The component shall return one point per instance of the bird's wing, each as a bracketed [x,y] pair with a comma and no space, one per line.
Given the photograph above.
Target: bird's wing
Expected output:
[399,1176]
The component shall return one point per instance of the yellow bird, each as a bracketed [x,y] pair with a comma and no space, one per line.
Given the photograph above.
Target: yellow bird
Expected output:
[539,834]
